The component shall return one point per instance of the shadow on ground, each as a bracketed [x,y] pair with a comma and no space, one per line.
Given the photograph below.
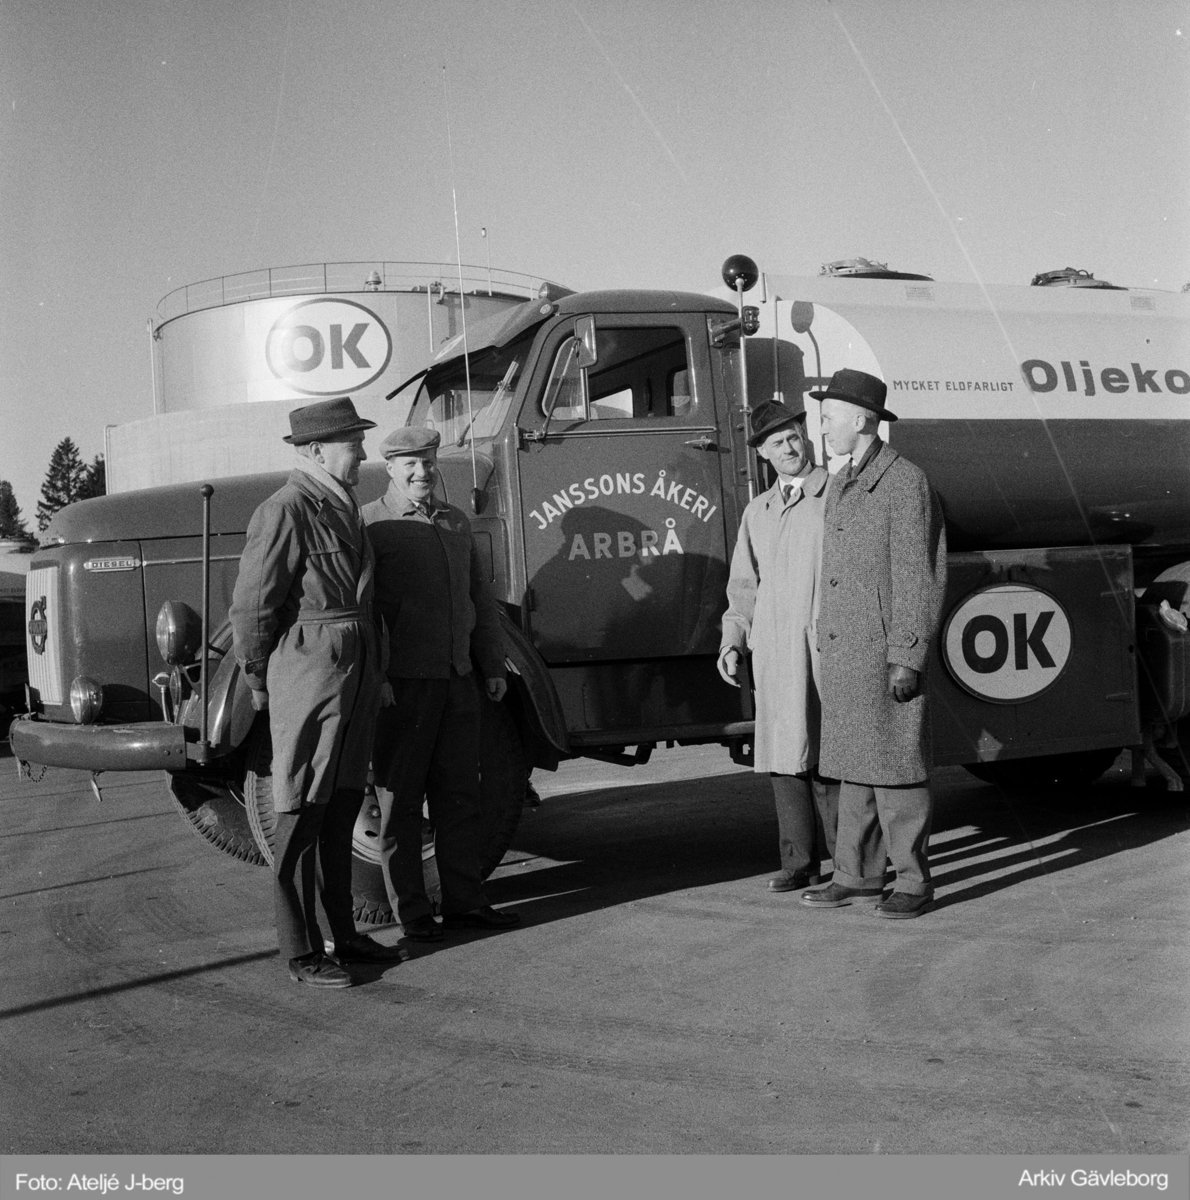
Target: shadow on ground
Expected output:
[627,843]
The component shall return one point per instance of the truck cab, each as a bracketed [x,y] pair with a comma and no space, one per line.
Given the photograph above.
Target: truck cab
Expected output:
[598,443]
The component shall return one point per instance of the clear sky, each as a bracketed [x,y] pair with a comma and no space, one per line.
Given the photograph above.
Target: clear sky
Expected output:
[145,144]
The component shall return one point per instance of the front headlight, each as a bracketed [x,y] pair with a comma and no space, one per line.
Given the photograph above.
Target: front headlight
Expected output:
[179,632]
[86,700]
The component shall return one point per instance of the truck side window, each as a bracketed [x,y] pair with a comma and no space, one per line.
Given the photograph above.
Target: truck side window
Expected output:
[642,373]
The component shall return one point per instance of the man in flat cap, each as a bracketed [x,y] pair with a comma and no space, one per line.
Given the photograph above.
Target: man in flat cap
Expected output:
[305,634]
[883,579]
[772,595]
[440,612]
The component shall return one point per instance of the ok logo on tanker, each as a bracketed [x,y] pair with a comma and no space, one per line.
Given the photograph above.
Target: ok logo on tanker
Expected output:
[1008,643]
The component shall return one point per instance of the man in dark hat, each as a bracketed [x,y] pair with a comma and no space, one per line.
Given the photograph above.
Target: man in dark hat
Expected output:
[309,644]
[772,595]
[432,593]
[883,579]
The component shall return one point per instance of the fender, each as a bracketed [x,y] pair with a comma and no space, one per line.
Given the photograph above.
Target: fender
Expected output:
[229,711]
[543,722]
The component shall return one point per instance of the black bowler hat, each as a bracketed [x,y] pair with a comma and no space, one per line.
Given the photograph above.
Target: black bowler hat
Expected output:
[769,416]
[858,387]
[325,421]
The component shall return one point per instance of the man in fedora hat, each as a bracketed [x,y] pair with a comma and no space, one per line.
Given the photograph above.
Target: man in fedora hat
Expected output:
[304,632]
[883,579]
[432,592]
[772,595]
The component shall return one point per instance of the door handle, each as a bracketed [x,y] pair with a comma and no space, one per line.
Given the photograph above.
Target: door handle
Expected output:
[703,443]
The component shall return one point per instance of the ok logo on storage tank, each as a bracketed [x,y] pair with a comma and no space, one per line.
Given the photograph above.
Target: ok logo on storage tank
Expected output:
[326,347]
[1007,643]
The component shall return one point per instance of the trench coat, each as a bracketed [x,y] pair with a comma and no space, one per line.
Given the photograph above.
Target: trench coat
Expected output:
[883,580]
[303,628]
[772,595]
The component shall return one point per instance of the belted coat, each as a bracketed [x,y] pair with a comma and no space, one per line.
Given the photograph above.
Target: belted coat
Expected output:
[303,628]
[772,595]
[883,582]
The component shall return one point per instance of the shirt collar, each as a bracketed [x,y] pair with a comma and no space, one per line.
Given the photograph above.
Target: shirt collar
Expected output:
[403,506]
[336,487]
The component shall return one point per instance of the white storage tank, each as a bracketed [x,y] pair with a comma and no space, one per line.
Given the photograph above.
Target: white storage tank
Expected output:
[231,356]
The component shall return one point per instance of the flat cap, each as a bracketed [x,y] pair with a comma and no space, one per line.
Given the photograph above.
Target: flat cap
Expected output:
[410,439]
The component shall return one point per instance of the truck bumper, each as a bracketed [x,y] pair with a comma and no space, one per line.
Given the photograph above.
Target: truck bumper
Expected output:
[144,746]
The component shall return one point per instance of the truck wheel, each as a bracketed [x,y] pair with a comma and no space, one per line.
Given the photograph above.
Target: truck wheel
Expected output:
[369,895]
[1048,771]
[216,813]
[503,779]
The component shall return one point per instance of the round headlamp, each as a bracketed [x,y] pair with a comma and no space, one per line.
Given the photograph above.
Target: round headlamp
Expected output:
[179,632]
[86,700]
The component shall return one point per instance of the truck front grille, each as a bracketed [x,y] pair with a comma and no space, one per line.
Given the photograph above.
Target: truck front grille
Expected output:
[43,634]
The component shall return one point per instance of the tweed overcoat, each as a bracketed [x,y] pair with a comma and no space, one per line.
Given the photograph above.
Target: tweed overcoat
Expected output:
[304,629]
[772,595]
[883,580]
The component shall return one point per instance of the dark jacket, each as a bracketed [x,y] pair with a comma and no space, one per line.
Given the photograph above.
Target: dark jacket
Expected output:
[431,591]
[883,581]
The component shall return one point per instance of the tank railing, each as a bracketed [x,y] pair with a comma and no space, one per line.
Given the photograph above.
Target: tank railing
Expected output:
[317,278]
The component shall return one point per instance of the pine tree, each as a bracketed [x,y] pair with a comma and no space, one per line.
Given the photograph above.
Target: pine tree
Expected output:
[94,480]
[12,526]
[62,481]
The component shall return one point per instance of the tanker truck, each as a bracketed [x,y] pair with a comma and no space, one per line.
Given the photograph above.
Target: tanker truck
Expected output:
[598,441]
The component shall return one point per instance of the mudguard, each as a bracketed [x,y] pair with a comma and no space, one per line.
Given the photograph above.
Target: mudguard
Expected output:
[229,705]
[543,723]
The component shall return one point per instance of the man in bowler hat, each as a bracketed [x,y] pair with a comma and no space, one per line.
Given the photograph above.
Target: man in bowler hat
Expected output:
[772,595]
[305,634]
[883,580]
[440,612]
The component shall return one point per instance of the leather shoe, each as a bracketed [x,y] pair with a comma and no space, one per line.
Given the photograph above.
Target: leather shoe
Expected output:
[481,918]
[319,970]
[790,881]
[835,895]
[422,929]
[365,949]
[901,906]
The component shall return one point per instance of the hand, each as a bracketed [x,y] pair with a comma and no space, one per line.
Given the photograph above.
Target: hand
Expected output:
[260,699]
[903,682]
[496,688]
[729,665]
[387,699]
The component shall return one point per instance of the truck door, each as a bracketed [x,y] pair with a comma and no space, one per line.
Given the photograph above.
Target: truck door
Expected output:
[625,540]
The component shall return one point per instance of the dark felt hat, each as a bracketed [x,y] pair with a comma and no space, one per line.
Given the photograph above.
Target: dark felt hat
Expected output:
[769,416]
[410,439]
[324,421]
[858,387]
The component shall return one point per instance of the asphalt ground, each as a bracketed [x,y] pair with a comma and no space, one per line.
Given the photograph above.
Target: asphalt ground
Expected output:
[656,998]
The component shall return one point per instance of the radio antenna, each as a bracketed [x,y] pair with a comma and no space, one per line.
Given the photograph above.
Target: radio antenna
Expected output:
[475,496]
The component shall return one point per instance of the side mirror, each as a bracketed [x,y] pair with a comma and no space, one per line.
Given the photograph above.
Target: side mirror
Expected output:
[588,351]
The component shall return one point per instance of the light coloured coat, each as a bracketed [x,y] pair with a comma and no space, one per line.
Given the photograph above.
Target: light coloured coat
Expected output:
[303,628]
[772,595]
[883,581]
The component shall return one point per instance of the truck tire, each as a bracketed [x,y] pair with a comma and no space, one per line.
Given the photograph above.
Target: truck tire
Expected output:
[1050,772]
[503,779]
[214,810]
[369,896]
[504,776]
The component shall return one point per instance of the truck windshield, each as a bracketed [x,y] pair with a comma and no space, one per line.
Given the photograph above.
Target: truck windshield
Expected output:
[442,400]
